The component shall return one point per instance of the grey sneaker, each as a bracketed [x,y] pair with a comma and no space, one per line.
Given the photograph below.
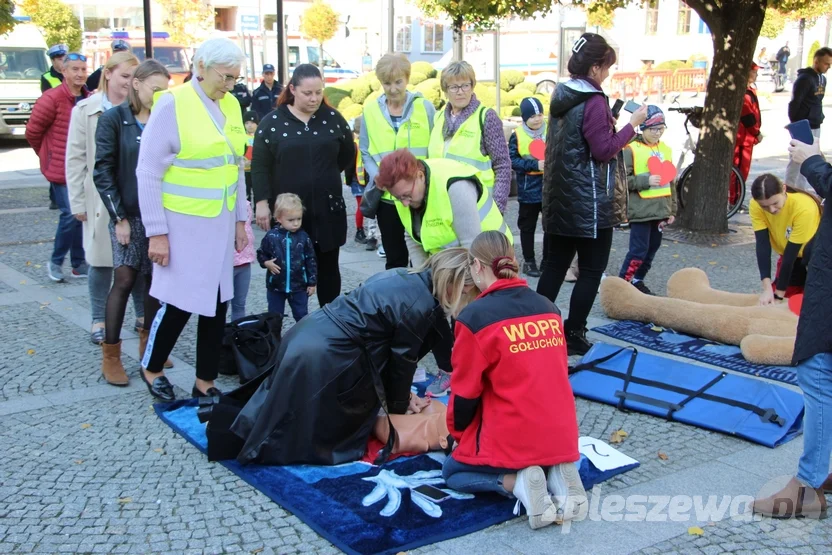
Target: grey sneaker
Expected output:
[568,493]
[81,271]
[441,385]
[56,273]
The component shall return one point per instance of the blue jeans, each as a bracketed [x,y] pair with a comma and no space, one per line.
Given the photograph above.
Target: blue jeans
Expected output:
[814,376]
[242,280]
[69,236]
[645,240]
[298,302]
[469,478]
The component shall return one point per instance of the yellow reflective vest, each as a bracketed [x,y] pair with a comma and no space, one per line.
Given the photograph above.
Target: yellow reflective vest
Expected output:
[437,231]
[204,175]
[51,79]
[359,166]
[414,134]
[641,154]
[524,140]
[464,146]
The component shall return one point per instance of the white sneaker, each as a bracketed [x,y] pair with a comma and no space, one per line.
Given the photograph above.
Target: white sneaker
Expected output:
[568,493]
[530,490]
[380,251]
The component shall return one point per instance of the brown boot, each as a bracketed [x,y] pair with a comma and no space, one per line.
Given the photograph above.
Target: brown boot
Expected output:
[143,335]
[827,485]
[111,365]
[793,501]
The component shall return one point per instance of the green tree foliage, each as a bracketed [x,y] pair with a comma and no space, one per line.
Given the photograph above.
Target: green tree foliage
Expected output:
[187,21]
[811,57]
[56,21]
[7,20]
[600,14]
[320,23]
[773,24]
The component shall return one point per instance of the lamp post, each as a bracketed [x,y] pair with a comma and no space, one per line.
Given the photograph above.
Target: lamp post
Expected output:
[282,74]
[148,32]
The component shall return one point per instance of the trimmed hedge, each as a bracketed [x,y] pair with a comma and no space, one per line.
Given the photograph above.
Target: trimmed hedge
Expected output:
[417,77]
[424,68]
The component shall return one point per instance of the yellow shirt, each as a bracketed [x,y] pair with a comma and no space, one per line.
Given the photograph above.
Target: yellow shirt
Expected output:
[796,222]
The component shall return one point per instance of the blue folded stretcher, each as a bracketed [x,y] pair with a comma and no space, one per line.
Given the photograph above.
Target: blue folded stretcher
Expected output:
[752,409]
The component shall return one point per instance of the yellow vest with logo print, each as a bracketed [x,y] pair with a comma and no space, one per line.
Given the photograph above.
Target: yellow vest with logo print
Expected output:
[437,232]
[524,141]
[465,145]
[641,154]
[205,172]
[51,79]
[414,134]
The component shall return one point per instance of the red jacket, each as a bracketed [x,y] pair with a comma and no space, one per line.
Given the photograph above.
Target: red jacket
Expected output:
[48,129]
[511,404]
[748,132]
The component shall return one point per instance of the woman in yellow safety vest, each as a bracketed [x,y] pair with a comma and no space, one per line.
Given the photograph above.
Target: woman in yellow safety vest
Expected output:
[189,173]
[466,131]
[397,119]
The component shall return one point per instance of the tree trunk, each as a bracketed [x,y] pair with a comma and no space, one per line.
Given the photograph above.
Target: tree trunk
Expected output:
[801,37]
[459,39]
[706,191]
[828,34]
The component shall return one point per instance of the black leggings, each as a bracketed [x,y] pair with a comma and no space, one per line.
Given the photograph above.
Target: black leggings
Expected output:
[166,329]
[123,282]
[329,275]
[593,256]
[392,236]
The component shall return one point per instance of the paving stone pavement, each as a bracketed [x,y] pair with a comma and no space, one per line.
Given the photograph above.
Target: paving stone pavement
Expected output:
[88,468]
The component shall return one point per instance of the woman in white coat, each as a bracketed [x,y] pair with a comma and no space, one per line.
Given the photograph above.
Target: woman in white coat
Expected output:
[84,200]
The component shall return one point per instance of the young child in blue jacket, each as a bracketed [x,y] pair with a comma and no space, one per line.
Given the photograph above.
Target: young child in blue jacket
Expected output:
[288,254]
[529,171]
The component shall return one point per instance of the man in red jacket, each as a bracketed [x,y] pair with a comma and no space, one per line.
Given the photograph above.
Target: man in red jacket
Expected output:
[47,132]
[748,132]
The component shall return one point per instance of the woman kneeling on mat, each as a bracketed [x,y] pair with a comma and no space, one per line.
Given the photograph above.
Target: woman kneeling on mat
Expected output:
[786,220]
[511,408]
[320,402]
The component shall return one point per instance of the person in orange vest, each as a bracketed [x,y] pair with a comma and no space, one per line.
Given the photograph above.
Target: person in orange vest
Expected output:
[652,201]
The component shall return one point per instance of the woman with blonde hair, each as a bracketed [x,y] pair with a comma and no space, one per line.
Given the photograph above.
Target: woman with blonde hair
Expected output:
[467,131]
[338,365]
[511,408]
[84,200]
[398,119]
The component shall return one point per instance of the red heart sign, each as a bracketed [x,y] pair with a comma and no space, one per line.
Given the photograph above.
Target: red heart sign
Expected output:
[664,169]
[537,148]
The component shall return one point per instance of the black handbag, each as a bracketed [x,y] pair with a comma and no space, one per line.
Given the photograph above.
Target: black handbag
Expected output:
[255,341]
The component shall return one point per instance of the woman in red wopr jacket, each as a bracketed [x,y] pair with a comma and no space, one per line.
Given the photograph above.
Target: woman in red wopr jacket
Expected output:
[511,408]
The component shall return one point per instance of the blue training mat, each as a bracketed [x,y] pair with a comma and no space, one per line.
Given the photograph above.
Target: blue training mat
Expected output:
[668,341]
[699,411]
[362,508]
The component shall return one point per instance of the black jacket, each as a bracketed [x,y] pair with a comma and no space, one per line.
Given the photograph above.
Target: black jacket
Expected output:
[263,99]
[319,405]
[243,96]
[294,253]
[813,336]
[291,157]
[44,84]
[117,141]
[94,79]
[578,191]
[807,97]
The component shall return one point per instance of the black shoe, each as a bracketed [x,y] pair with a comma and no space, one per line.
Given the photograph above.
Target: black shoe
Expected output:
[53,205]
[372,244]
[577,343]
[161,388]
[643,288]
[530,269]
[360,237]
[212,392]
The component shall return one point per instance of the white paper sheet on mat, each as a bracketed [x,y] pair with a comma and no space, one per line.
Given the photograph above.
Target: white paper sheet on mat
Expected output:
[602,455]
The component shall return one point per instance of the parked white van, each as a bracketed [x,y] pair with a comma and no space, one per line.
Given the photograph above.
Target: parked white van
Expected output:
[23,60]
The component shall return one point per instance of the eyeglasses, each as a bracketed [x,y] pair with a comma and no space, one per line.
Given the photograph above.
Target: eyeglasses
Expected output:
[75,57]
[407,197]
[465,87]
[230,78]
[657,129]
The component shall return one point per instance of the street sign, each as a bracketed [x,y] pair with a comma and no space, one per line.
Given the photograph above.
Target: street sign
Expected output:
[249,23]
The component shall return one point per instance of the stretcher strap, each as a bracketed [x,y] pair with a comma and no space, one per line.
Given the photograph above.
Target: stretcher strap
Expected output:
[765,414]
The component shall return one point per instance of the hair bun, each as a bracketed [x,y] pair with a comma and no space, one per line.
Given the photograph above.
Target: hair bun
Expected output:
[504,267]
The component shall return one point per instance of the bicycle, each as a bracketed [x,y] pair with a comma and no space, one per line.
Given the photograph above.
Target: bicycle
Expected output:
[736,189]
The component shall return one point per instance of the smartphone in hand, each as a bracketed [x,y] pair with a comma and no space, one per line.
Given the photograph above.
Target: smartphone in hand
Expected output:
[801,131]
[616,108]
[632,106]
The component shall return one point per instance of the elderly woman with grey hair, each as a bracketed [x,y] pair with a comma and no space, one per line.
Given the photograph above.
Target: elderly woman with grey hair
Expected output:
[189,173]
[467,131]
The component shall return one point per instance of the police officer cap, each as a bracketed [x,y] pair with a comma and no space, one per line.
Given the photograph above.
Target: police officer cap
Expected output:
[57,50]
[120,45]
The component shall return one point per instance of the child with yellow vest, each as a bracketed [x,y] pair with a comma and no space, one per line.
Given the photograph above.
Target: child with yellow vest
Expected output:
[529,172]
[652,200]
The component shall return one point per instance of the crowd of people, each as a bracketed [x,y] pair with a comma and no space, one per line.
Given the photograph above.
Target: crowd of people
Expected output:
[158,189]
